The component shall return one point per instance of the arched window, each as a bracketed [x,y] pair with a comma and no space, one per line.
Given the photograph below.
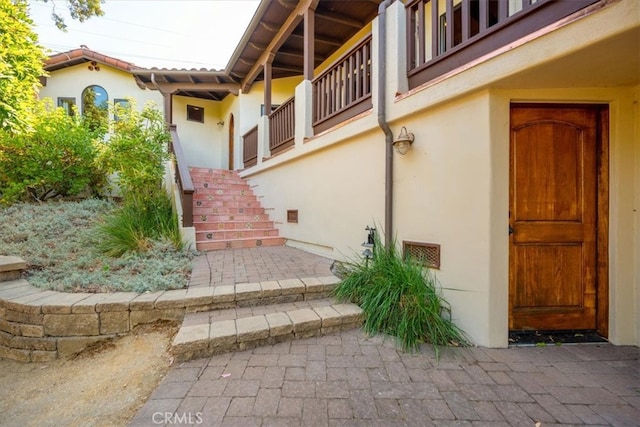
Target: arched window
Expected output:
[95,106]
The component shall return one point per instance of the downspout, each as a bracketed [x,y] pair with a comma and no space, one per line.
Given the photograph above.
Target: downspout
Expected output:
[382,121]
[166,97]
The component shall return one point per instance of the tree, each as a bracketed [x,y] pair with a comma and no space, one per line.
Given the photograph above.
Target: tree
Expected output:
[20,64]
[80,10]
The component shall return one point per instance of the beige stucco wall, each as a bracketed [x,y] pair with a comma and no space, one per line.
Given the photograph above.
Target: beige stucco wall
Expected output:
[202,143]
[70,82]
[452,188]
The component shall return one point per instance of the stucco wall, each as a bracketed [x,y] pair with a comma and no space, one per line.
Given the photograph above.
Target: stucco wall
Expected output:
[202,142]
[70,82]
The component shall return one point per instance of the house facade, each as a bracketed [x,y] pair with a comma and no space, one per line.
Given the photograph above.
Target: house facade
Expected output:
[521,181]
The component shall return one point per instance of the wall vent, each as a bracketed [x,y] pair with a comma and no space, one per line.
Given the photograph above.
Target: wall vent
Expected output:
[426,253]
[292,216]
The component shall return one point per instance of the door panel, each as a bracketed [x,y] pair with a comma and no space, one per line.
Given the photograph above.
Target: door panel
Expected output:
[553,217]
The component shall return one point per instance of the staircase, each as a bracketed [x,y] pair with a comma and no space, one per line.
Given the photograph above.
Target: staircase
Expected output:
[226,213]
[249,315]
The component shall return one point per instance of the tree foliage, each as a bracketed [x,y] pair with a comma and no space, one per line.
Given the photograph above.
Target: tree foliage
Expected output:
[80,10]
[56,157]
[21,66]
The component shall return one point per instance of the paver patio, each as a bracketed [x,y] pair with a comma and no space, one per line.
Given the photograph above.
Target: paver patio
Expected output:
[350,379]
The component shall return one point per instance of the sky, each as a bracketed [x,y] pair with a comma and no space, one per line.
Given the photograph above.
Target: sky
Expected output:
[151,33]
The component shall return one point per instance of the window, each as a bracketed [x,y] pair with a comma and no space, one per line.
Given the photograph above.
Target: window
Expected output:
[195,114]
[120,104]
[95,108]
[68,104]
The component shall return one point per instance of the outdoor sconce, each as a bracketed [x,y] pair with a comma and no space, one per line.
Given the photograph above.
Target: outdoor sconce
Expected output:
[404,141]
[220,123]
[369,243]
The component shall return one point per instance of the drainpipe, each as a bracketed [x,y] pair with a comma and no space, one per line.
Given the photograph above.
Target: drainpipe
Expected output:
[382,121]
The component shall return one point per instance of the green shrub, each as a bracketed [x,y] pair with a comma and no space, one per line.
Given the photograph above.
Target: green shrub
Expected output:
[137,150]
[56,157]
[140,222]
[400,298]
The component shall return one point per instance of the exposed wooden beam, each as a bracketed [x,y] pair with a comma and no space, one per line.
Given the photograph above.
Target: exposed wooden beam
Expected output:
[269,27]
[340,20]
[325,40]
[278,40]
[309,51]
[257,46]
[287,69]
[297,54]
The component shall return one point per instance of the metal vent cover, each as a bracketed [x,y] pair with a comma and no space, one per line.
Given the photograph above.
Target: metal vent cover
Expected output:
[426,253]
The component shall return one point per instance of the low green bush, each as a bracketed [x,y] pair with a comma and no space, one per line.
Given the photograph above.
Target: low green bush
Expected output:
[54,158]
[60,241]
[400,298]
[139,223]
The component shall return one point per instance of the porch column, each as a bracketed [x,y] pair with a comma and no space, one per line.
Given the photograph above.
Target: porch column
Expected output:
[263,124]
[304,91]
[267,84]
[168,107]
[309,45]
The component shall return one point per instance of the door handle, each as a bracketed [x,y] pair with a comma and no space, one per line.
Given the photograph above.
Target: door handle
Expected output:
[511,230]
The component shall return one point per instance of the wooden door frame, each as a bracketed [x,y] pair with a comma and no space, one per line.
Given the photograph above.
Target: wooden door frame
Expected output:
[602,205]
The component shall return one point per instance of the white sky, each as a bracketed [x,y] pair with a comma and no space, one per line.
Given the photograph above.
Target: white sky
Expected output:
[151,33]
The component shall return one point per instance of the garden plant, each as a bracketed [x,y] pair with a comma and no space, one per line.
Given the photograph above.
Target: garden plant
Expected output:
[399,297]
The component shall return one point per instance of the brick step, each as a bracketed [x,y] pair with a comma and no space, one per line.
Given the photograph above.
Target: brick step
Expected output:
[215,218]
[213,204]
[208,333]
[249,198]
[232,225]
[227,210]
[226,190]
[213,245]
[243,233]
[196,171]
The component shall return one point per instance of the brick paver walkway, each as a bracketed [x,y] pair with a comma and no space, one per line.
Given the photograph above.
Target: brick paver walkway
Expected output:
[351,380]
[233,266]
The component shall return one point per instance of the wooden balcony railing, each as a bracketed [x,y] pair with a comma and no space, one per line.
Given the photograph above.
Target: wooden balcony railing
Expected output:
[183,178]
[282,124]
[344,90]
[250,147]
[446,34]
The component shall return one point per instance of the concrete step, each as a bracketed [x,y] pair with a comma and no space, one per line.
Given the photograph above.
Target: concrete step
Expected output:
[207,333]
[213,245]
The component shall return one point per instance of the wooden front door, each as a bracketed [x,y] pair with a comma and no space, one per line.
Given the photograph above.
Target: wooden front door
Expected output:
[553,217]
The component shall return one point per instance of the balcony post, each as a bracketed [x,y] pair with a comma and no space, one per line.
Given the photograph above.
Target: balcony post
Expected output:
[396,51]
[303,112]
[263,138]
[309,39]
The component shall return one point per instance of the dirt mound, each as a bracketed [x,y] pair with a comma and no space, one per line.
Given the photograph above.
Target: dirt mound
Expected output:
[103,386]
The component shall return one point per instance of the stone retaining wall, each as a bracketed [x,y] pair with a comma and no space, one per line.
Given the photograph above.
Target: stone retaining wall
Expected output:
[38,325]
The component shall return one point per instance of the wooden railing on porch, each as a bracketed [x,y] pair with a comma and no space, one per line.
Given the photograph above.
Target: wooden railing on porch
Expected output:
[183,177]
[343,90]
[282,124]
[250,147]
[446,34]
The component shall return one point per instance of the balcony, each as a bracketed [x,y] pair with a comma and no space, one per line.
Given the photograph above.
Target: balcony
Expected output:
[344,89]
[250,144]
[443,35]
[282,124]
